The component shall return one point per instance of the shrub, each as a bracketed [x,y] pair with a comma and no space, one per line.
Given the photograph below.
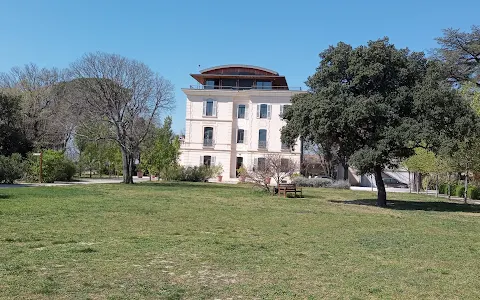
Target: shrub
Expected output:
[320,182]
[55,167]
[312,182]
[11,168]
[340,184]
[442,188]
[192,174]
[473,192]
[459,190]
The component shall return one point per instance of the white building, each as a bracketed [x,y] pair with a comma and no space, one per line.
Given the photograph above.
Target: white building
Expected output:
[234,117]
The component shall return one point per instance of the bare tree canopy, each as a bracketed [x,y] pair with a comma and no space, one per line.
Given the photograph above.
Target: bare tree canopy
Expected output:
[461,53]
[123,94]
[45,117]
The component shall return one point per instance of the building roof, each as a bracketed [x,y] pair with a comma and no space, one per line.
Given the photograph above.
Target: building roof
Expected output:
[235,66]
[237,71]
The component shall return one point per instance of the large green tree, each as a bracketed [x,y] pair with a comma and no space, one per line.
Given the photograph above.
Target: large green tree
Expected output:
[12,136]
[378,103]
[161,149]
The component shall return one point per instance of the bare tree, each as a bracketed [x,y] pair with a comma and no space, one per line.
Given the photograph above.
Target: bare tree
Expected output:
[47,120]
[275,166]
[123,94]
[281,167]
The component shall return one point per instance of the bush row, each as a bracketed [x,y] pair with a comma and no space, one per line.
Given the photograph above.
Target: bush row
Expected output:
[55,167]
[320,182]
[458,190]
[193,174]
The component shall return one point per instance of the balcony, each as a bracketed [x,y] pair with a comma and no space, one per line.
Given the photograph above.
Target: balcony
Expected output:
[240,88]
[208,143]
[262,145]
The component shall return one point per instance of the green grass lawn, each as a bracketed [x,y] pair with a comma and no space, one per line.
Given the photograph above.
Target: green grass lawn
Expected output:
[211,241]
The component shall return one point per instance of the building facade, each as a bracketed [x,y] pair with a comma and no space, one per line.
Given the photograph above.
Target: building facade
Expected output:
[234,118]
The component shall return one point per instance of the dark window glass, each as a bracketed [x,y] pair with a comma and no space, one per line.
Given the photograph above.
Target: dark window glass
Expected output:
[284,162]
[261,163]
[209,108]
[264,85]
[263,111]
[229,84]
[208,136]
[241,111]
[262,138]
[207,160]
[245,83]
[209,84]
[240,136]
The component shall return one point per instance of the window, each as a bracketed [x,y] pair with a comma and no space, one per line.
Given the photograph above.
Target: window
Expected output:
[209,108]
[245,84]
[209,84]
[284,164]
[261,163]
[262,139]
[229,84]
[283,109]
[264,111]
[208,136]
[264,85]
[207,160]
[241,110]
[240,136]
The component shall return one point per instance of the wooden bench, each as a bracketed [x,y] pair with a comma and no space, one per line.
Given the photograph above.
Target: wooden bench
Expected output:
[284,188]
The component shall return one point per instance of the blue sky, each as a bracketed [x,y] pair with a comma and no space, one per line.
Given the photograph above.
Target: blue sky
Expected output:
[174,37]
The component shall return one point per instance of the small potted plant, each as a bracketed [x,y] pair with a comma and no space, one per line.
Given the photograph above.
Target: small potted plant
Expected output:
[219,172]
[242,172]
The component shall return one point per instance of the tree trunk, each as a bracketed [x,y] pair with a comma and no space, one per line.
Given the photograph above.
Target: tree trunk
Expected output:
[127,162]
[345,171]
[381,193]
[466,187]
[436,186]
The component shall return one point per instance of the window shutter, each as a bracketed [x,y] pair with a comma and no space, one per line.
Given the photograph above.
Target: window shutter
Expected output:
[201,160]
[255,163]
[204,108]
[245,136]
[258,111]
[213,161]
[269,111]
[214,108]
[281,111]
[246,112]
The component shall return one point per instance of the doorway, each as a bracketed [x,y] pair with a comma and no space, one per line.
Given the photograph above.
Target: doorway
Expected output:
[239,164]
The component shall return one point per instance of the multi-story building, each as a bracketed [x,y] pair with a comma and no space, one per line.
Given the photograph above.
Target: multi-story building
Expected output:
[234,117]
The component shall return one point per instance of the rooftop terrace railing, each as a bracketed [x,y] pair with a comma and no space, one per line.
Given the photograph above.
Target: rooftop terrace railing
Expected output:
[242,88]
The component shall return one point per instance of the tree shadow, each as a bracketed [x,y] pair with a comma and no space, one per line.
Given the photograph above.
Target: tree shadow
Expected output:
[417,205]
[3,196]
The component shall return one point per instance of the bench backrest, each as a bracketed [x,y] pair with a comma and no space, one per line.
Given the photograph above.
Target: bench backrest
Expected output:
[287,186]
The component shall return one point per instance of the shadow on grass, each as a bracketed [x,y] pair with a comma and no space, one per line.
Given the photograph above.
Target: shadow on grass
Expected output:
[417,205]
[3,196]
[186,184]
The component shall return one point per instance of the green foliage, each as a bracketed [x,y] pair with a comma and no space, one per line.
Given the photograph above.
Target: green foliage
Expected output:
[11,168]
[376,104]
[55,167]
[192,174]
[161,149]
[459,190]
[12,137]
[473,192]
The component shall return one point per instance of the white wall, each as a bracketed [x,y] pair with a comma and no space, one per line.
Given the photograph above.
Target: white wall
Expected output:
[225,125]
